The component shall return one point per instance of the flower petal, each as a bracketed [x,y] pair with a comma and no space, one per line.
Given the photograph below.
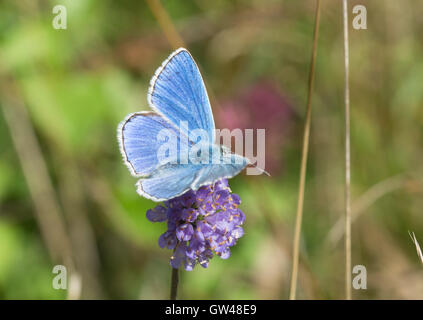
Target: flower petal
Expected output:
[184,232]
[157,214]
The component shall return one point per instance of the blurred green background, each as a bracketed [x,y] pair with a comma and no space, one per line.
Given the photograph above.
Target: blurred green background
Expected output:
[66,197]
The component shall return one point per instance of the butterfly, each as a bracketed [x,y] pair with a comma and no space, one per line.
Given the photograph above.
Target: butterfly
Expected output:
[176,95]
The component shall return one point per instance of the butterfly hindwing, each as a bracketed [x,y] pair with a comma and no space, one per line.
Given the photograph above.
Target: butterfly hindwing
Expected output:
[172,180]
[138,139]
[230,165]
[167,182]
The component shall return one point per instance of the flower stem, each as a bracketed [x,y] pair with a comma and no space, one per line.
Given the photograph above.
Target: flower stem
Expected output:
[174,284]
[306,139]
[347,159]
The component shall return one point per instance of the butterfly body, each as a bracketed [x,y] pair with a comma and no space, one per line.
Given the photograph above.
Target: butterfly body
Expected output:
[158,146]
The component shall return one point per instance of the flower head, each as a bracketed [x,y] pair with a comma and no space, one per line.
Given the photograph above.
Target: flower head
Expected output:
[200,224]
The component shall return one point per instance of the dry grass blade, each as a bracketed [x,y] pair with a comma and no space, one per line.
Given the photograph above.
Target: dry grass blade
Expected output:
[416,243]
[366,200]
[347,159]
[165,23]
[47,209]
[306,139]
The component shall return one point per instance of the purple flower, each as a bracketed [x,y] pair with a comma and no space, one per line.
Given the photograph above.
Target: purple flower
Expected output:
[158,214]
[184,232]
[200,223]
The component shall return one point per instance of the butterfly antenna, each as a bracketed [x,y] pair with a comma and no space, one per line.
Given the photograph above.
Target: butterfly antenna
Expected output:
[262,170]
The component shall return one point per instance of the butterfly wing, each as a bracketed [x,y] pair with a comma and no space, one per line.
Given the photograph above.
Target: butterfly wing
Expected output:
[138,140]
[230,165]
[174,179]
[168,181]
[177,92]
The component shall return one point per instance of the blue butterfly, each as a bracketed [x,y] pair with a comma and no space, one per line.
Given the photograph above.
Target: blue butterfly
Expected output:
[177,94]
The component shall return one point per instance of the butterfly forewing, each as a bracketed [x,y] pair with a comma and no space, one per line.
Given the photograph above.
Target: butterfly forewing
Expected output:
[178,93]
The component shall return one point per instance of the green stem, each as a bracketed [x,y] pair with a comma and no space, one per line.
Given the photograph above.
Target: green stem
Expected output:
[174,284]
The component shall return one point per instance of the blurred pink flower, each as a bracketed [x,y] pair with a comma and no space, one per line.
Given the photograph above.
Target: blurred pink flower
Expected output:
[260,106]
